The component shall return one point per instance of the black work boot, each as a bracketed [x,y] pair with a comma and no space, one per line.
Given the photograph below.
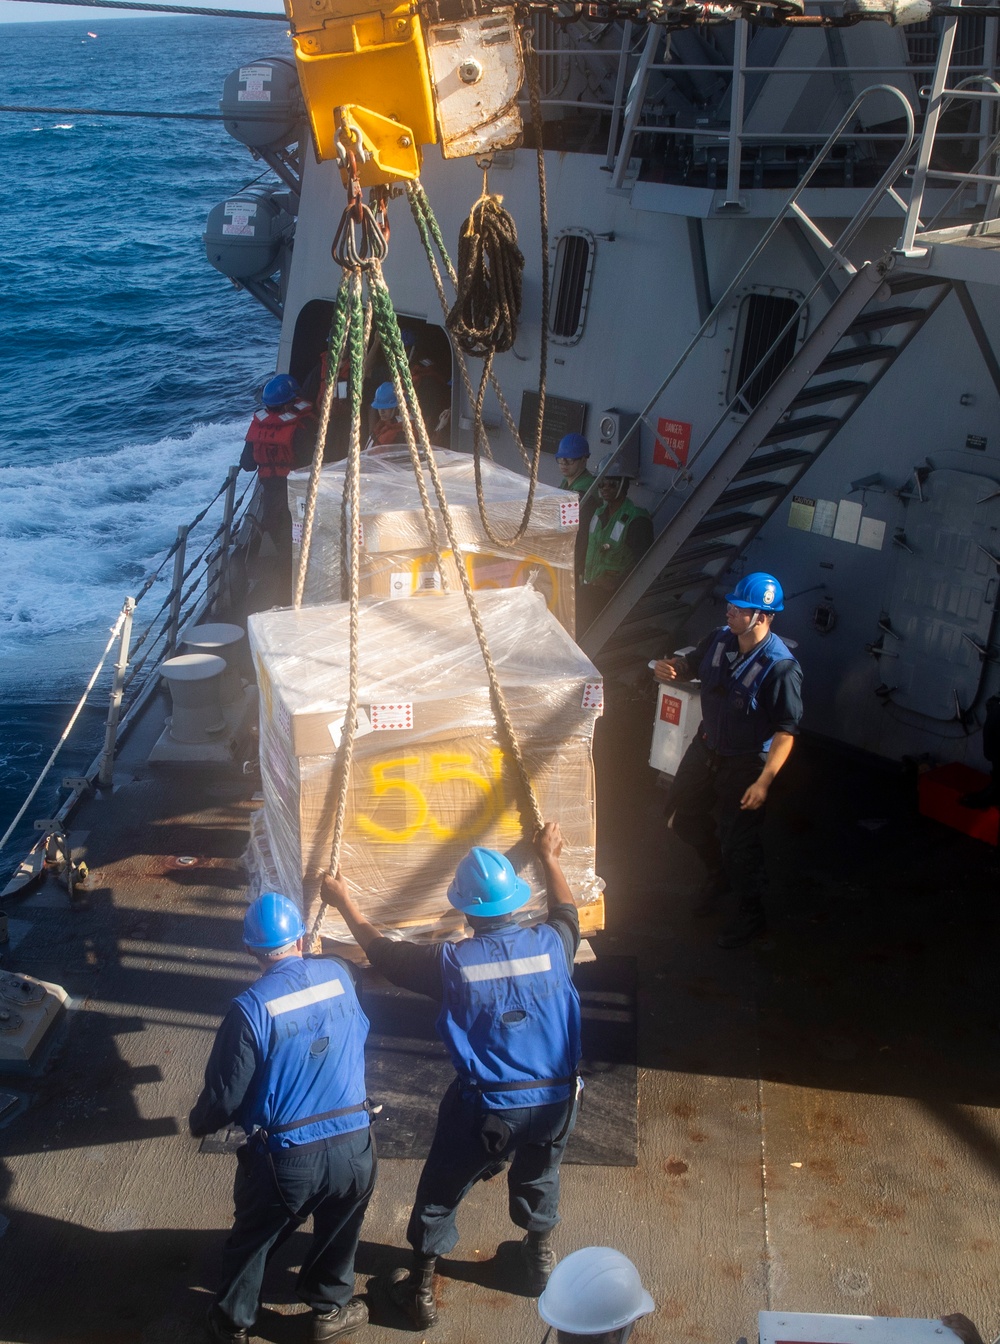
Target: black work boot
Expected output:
[340,1321]
[221,1329]
[413,1292]
[709,897]
[744,929]
[539,1260]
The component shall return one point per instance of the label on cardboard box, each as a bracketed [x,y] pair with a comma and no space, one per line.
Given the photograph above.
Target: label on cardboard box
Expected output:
[569,513]
[362,728]
[391,716]
[593,695]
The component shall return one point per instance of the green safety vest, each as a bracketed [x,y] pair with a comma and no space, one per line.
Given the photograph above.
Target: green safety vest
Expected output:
[581,485]
[607,552]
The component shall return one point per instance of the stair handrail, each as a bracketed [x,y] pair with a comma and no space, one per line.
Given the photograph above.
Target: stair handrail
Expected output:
[861,216]
[991,149]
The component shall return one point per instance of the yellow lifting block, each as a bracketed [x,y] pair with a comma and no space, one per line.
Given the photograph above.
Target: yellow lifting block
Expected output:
[373,61]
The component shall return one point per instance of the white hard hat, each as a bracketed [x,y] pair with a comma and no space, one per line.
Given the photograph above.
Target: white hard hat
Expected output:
[594,1291]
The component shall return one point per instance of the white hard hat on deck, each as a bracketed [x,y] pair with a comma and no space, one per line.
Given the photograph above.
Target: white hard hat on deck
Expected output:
[594,1291]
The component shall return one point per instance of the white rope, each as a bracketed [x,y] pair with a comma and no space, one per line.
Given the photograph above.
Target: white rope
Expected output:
[115,632]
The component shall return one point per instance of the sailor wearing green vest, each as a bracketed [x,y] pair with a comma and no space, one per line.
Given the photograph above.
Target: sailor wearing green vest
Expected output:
[620,532]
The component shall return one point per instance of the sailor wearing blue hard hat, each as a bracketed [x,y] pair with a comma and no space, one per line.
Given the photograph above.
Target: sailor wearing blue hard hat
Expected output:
[751,705]
[510,1017]
[288,1066]
[281,437]
[572,456]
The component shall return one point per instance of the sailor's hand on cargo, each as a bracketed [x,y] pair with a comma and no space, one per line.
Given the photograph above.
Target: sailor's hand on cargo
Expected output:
[334,890]
[666,669]
[549,841]
[963,1327]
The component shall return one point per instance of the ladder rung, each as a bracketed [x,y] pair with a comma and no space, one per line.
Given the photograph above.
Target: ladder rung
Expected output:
[906,284]
[798,429]
[858,354]
[782,460]
[692,557]
[725,523]
[875,319]
[746,494]
[681,583]
[841,387]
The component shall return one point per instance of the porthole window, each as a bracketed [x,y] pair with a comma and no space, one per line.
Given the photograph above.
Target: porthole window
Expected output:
[574,263]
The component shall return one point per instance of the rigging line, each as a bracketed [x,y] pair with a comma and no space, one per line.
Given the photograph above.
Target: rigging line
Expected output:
[167,9]
[114,112]
[115,632]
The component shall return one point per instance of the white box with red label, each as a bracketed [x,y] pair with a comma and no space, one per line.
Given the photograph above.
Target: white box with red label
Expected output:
[678,713]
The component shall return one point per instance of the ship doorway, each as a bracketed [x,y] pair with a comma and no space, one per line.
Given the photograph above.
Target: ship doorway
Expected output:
[430,360]
[941,604]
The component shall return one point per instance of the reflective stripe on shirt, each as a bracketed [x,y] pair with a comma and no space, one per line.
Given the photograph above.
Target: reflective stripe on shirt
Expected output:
[500,970]
[302,997]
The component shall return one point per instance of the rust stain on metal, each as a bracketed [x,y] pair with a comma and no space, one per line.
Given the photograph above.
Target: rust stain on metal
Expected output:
[675,1167]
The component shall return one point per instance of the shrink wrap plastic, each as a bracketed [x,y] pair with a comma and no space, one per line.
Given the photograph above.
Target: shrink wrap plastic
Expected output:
[397,559]
[428,779]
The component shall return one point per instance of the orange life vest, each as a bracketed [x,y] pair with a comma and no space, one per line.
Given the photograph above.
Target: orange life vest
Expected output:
[272,434]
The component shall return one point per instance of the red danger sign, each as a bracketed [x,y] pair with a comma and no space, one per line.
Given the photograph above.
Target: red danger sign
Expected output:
[670,709]
[673,440]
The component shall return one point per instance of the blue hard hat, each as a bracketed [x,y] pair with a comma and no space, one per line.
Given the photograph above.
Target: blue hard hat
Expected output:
[573,446]
[757,592]
[408,336]
[272,922]
[385,398]
[485,885]
[279,390]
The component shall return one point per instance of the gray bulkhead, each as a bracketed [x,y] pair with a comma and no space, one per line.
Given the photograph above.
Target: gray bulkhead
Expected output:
[917,455]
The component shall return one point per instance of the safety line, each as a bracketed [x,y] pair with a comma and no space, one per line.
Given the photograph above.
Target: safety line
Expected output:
[114,112]
[166,9]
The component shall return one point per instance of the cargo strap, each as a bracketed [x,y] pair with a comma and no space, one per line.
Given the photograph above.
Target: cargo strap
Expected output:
[350,330]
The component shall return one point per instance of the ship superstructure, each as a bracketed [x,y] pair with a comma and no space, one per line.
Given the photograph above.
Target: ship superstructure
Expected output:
[772,263]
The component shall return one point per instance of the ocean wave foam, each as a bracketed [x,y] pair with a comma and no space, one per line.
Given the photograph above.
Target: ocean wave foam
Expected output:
[76,540]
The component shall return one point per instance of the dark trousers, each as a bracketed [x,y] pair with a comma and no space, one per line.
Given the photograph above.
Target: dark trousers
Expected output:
[530,1138]
[274,1194]
[705,802]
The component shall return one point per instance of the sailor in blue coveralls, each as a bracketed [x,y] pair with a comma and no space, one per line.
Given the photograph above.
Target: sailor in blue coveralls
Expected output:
[288,1065]
[510,1017]
[751,705]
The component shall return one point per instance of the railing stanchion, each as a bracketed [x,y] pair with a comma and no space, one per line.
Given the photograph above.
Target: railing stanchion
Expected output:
[176,591]
[221,567]
[732,201]
[105,770]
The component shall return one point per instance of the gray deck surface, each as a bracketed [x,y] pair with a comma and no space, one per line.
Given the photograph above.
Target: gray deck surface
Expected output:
[818,1119]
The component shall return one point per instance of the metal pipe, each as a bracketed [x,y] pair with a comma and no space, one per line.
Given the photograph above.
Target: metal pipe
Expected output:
[105,769]
[616,113]
[738,91]
[221,565]
[633,110]
[173,619]
[926,146]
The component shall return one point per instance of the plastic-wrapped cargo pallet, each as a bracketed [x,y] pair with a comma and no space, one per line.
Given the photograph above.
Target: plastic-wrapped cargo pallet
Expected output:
[428,779]
[396,557]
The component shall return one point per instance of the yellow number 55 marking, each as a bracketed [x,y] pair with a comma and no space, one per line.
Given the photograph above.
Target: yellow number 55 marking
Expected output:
[442,768]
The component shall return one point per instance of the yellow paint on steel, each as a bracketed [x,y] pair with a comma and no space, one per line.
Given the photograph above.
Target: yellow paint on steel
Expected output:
[372,60]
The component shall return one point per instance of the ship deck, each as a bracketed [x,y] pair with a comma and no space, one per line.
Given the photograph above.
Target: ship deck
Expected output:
[818,1115]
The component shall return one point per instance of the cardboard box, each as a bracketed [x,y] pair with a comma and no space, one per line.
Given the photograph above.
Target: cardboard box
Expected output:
[397,558]
[429,779]
[938,792]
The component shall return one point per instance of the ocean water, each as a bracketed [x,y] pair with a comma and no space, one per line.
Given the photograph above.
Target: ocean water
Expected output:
[128,366]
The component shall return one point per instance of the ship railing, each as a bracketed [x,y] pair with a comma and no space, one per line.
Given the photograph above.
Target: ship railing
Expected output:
[629,113]
[836,251]
[197,588]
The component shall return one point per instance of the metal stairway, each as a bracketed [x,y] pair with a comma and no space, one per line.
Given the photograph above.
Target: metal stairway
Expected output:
[866,329]
[870,323]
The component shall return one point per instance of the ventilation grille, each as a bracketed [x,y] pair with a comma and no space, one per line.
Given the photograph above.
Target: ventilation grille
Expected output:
[762,317]
[571,285]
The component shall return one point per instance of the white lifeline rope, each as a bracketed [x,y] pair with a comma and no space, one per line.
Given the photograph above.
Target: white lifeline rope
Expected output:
[115,632]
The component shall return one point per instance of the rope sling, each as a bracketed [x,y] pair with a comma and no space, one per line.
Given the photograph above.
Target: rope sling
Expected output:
[363,307]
